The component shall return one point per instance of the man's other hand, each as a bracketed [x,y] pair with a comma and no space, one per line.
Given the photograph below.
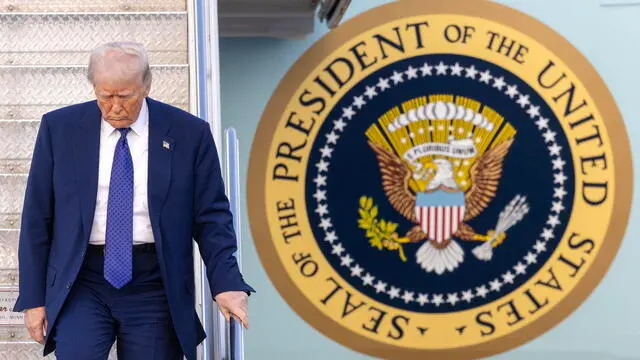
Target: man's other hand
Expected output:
[234,303]
[36,321]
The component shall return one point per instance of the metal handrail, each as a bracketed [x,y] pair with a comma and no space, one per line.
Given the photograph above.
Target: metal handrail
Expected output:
[236,334]
[203,110]
[220,333]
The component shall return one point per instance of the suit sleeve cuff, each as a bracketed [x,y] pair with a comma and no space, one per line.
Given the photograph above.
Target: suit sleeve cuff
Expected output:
[22,306]
[240,285]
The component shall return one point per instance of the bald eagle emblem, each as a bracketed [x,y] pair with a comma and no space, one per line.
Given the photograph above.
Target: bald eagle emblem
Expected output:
[440,164]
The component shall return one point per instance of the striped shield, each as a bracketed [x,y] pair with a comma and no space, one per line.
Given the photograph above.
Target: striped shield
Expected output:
[440,213]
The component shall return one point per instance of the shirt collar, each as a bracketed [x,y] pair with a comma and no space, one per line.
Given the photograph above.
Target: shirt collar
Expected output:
[138,127]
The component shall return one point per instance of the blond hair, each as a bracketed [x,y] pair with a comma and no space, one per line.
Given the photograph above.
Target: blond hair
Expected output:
[127,48]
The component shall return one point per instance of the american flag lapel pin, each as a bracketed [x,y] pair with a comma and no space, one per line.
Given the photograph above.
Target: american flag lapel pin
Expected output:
[167,143]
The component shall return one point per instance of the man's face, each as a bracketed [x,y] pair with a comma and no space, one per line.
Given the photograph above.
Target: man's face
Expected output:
[119,100]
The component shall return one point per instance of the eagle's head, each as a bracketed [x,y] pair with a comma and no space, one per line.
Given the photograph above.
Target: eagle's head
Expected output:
[444,176]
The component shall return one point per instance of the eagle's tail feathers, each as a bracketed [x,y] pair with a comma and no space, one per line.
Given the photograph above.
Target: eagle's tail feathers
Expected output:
[432,259]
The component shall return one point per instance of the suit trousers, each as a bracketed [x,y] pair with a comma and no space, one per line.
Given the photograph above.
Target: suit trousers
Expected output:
[96,314]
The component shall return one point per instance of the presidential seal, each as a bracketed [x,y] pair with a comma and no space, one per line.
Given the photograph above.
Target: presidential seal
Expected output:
[439,179]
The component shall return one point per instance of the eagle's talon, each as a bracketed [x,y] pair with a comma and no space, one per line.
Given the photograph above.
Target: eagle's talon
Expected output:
[498,239]
[484,238]
[490,235]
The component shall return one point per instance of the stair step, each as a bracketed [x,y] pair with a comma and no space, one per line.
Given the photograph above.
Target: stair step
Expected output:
[25,112]
[17,140]
[9,279]
[14,333]
[68,85]
[91,5]
[23,351]
[12,188]
[67,39]
[32,351]
[13,166]
[8,260]
[9,249]
[10,220]
[33,112]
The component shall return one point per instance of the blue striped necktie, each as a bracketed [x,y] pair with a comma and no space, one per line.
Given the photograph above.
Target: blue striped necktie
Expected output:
[119,234]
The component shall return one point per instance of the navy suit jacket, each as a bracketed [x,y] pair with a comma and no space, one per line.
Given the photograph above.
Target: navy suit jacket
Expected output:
[186,199]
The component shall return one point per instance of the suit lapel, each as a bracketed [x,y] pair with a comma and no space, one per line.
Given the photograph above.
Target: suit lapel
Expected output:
[161,148]
[86,154]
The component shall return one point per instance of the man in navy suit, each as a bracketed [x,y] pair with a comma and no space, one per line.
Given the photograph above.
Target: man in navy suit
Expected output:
[118,189]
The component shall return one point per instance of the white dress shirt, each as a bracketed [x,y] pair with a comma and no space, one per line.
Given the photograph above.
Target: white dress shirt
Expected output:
[138,139]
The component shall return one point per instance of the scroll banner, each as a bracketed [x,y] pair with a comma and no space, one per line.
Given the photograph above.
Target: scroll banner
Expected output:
[463,149]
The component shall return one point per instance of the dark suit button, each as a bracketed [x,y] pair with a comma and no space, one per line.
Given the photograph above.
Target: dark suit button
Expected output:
[68,286]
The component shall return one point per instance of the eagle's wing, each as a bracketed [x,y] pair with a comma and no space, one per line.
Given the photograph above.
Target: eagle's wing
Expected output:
[395,181]
[485,175]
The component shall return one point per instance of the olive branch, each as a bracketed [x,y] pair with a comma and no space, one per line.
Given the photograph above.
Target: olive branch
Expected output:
[382,234]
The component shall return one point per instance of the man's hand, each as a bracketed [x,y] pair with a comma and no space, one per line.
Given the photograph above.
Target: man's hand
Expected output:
[234,303]
[36,321]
